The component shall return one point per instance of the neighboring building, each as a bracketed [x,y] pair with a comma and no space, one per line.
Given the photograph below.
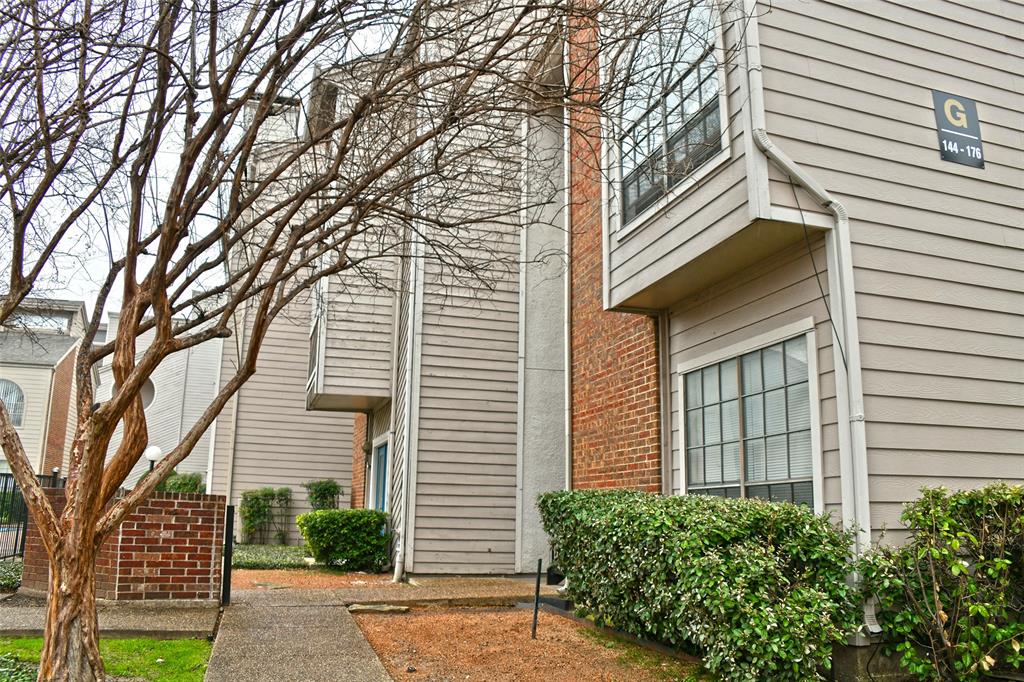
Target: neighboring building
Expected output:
[265,437]
[834,309]
[38,349]
[459,386]
[173,398]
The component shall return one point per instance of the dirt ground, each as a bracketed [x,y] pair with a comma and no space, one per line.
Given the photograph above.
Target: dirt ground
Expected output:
[494,645]
[304,578]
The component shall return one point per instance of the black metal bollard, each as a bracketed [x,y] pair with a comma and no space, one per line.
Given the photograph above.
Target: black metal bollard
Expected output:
[229,546]
[536,599]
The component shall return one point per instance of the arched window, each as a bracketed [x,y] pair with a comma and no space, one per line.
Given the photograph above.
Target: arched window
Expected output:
[13,399]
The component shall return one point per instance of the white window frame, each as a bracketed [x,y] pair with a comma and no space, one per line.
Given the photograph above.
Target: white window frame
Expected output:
[805,328]
[24,405]
[611,202]
[370,500]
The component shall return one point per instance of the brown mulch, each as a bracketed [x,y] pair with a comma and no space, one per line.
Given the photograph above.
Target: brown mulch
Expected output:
[494,645]
[304,579]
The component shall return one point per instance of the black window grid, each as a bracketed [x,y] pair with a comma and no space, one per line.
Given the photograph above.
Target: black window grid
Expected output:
[684,145]
[792,488]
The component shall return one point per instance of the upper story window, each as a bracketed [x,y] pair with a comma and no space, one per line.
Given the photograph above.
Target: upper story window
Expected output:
[747,425]
[13,399]
[42,322]
[671,123]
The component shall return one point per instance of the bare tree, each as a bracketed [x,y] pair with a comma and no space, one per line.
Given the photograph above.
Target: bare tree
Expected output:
[176,138]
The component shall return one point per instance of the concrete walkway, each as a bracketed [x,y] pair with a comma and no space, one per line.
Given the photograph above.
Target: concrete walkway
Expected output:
[281,639]
[278,633]
[21,617]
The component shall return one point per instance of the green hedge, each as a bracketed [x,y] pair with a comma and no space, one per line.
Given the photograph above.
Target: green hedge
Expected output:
[265,513]
[183,483]
[951,599]
[759,588]
[355,539]
[323,494]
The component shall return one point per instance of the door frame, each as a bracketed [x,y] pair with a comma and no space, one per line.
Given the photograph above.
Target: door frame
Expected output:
[371,497]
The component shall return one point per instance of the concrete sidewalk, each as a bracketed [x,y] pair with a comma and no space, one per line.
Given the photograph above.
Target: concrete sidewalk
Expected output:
[421,591]
[21,617]
[280,633]
[280,639]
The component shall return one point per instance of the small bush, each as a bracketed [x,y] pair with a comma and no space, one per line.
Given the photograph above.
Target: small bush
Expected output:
[264,512]
[951,600]
[355,539]
[268,556]
[760,588]
[10,575]
[323,494]
[183,483]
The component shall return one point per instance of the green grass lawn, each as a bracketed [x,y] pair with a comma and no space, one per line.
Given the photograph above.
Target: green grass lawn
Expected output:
[663,666]
[167,660]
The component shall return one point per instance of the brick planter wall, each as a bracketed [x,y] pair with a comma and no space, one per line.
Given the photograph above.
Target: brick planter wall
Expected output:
[616,441]
[169,548]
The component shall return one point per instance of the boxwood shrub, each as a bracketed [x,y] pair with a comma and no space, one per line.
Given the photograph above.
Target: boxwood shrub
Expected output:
[759,588]
[355,539]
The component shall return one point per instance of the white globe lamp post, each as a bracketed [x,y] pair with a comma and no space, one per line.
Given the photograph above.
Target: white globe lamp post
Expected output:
[153,453]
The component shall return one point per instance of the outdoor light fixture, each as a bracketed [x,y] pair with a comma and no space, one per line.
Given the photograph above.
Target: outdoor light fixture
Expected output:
[153,453]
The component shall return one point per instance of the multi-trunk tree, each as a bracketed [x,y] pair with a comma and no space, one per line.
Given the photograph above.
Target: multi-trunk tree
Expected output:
[226,155]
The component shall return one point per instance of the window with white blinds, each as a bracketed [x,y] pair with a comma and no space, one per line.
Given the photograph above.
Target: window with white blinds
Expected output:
[747,425]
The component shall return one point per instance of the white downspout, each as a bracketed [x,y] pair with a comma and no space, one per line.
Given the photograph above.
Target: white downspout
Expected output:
[411,405]
[849,389]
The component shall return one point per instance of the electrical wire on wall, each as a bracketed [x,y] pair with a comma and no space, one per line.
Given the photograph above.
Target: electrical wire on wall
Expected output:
[817,274]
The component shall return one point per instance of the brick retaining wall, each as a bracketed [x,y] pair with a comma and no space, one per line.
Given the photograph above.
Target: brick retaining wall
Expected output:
[168,548]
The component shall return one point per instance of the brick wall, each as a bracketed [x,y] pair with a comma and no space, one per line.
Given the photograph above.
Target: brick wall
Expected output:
[359,461]
[60,401]
[169,548]
[616,440]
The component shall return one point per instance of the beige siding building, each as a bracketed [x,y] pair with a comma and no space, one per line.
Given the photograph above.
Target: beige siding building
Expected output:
[842,306]
[38,349]
[265,437]
[460,377]
[173,398]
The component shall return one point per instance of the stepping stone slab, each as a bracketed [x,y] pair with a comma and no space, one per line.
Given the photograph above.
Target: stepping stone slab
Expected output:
[377,608]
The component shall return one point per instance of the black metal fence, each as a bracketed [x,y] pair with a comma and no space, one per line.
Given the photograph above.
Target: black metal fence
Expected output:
[14,513]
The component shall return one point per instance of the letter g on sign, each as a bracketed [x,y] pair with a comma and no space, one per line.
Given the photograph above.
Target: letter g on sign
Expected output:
[956,114]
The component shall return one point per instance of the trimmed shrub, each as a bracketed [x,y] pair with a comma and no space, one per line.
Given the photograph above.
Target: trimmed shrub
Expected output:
[758,587]
[355,539]
[323,494]
[951,599]
[263,512]
[183,483]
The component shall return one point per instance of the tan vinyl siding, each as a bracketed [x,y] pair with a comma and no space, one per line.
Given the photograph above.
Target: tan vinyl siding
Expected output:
[399,456]
[72,425]
[938,247]
[781,290]
[711,211]
[357,344]
[35,384]
[466,480]
[277,442]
